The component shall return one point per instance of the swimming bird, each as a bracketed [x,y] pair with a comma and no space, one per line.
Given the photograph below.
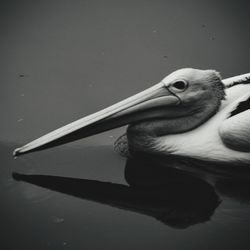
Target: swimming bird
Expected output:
[190,113]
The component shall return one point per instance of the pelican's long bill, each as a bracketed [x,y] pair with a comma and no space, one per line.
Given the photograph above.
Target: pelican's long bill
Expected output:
[150,103]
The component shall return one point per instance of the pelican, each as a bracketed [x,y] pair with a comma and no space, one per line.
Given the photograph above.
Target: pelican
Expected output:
[190,113]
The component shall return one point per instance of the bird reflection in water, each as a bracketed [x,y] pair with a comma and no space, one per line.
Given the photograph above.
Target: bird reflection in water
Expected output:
[169,195]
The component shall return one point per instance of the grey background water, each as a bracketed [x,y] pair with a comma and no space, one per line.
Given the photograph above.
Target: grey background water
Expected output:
[61,60]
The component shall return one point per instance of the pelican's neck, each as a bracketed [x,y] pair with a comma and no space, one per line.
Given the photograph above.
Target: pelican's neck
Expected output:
[142,136]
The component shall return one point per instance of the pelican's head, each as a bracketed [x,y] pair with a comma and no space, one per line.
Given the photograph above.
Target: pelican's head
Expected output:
[185,92]
[195,85]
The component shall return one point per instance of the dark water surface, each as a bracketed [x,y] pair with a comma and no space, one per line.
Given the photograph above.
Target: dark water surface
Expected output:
[61,60]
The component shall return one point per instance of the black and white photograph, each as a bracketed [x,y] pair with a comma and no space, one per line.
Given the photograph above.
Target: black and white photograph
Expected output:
[125,125]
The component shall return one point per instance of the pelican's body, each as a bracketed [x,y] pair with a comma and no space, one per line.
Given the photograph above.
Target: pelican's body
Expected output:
[207,142]
[191,113]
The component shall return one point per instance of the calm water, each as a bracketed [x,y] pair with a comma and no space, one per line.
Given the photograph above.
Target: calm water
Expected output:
[62,60]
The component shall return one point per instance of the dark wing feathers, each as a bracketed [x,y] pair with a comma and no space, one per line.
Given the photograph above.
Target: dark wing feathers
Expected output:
[241,107]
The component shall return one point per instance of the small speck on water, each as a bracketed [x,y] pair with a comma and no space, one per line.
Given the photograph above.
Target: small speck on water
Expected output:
[58,220]
[212,38]
[23,75]
[64,243]
[20,120]
[22,95]
[154,31]
[165,57]
[203,25]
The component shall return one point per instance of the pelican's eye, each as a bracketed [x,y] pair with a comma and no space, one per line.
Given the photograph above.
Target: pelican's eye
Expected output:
[180,85]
